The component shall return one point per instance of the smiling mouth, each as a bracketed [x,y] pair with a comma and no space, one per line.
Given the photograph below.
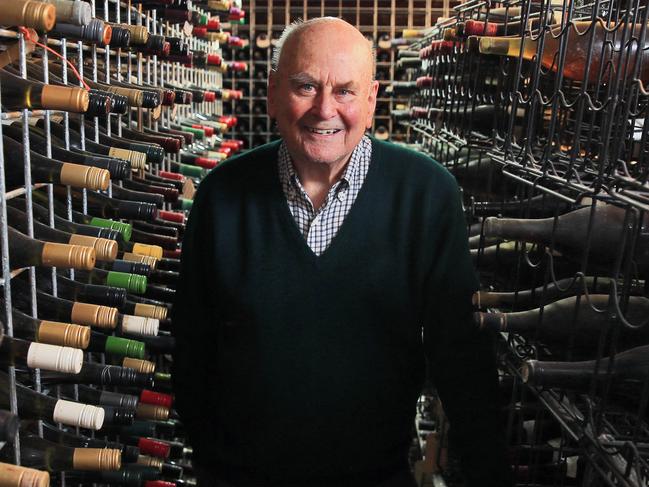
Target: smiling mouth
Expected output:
[323,131]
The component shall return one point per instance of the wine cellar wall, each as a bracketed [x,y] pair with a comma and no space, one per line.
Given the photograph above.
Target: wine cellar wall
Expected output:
[111,115]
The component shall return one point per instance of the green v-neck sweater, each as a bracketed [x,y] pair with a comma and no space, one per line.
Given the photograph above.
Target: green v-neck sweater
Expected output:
[294,369]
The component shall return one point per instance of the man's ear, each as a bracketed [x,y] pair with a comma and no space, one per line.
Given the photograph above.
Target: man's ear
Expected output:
[371,99]
[271,88]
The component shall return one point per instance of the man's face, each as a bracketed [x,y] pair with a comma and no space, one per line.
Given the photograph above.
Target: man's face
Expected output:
[323,96]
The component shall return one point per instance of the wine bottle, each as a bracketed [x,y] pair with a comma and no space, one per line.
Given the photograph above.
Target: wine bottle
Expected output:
[41,214]
[122,193]
[538,206]
[32,404]
[131,282]
[118,168]
[530,298]
[606,49]
[8,426]
[26,252]
[17,352]
[101,375]
[571,231]
[78,291]
[45,170]
[142,366]
[159,229]
[61,210]
[106,207]
[153,152]
[69,12]
[52,332]
[113,345]
[14,475]
[123,477]
[18,93]
[555,322]
[99,397]
[95,32]
[104,249]
[29,13]
[137,159]
[56,435]
[53,457]
[630,365]
[59,309]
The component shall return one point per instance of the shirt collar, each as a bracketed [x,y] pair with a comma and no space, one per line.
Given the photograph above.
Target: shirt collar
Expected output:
[350,174]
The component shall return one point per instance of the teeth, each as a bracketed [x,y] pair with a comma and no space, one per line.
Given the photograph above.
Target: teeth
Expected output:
[324,132]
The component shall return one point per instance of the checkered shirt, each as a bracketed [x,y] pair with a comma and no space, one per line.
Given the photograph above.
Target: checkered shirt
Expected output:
[319,227]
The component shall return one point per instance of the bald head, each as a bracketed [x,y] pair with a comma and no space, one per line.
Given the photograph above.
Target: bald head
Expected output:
[323,29]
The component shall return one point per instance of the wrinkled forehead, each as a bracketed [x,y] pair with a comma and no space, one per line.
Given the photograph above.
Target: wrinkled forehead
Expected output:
[311,49]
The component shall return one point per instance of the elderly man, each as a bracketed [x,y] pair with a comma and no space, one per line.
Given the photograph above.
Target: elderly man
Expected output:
[312,267]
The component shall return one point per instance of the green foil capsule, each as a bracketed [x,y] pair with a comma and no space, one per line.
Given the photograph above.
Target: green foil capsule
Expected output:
[124,228]
[199,133]
[191,171]
[133,283]
[186,204]
[125,347]
[162,377]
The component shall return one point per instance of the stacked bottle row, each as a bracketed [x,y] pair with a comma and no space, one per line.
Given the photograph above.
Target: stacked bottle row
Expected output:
[254,44]
[533,107]
[104,139]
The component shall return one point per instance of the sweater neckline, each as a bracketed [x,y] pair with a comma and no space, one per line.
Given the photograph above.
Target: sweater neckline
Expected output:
[347,226]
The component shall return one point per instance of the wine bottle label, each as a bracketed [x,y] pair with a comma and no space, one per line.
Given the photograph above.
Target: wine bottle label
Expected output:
[140,325]
[13,475]
[150,311]
[105,249]
[94,315]
[87,177]
[53,357]
[78,414]
[67,256]
[152,412]
[97,459]
[142,366]
[64,334]
[149,250]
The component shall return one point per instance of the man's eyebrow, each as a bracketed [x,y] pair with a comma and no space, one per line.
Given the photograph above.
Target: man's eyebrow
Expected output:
[302,78]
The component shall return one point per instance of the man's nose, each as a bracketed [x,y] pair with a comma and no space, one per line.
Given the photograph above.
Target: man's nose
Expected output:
[324,105]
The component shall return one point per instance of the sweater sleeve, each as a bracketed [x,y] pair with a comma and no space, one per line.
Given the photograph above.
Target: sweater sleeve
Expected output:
[462,358]
[193,328]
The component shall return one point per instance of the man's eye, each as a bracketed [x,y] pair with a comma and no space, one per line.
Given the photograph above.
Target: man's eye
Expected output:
[345,92]
[307,87]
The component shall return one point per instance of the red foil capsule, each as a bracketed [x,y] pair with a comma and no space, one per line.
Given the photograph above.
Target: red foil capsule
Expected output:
[199,31]
[478,28]
[154,448]
[214,59]
[159,483]
[172,175]
[205,162]
[210,96]
[214,24]
[157,398]
[172,216]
